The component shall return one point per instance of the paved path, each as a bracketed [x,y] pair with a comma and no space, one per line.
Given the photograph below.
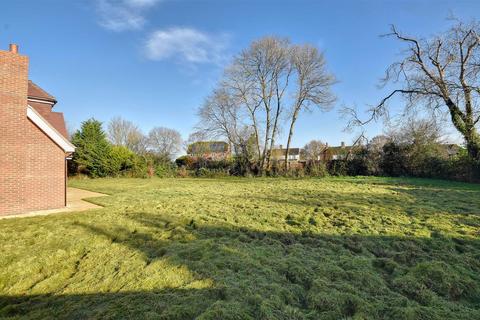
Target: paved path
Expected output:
[75,202]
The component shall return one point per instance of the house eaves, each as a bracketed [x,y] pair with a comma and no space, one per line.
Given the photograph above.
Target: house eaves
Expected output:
[49,130]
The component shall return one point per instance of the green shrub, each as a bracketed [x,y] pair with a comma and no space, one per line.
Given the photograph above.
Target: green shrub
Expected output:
[241,166]
[185,161]
[295,172]
[166,170]
[316,169]
[139,168]
[463,168]
[338,167]
[182,172]
[394,161]
[121,160]
[202,172]
[276,169]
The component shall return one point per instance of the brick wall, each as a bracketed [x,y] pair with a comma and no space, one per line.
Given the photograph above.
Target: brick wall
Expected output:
[45,171]
[13,120]
[32,167]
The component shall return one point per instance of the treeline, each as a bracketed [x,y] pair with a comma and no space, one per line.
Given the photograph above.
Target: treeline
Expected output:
[414,150]
[123,150]
[391,159]
[403,160]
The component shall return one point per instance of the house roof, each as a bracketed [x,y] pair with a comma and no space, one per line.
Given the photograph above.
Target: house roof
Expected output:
[55,118]
[291,151]
[58,122]
[42,102]
[35,92]
[208,147]
[338,150]
[49,130]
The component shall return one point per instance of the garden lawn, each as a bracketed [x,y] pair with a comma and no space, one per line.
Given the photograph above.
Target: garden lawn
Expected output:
[334,248]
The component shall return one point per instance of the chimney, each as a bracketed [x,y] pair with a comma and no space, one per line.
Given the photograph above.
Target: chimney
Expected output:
[13,130]
[13,48]
[281,147]
[342,144]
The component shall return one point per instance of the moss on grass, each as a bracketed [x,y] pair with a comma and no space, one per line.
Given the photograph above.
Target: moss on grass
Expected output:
[336,248]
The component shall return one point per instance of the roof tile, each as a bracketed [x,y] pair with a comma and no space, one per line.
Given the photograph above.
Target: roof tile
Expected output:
[36,92]
[54,118]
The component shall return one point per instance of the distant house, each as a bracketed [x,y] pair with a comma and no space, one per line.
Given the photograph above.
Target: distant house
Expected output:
[33,141]
[297,155]
[336,153]
[451,149]
[211,150]
[278,154]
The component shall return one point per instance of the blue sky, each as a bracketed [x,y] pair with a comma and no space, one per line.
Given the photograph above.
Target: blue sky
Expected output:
[154,61]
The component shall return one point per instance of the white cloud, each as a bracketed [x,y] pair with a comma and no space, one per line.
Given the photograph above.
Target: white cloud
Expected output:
[186,44]
[121,15]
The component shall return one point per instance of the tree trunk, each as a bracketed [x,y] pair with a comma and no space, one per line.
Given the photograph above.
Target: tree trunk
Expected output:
[267,134]
[464,125]
[274,132]
[255,129]
[473,144]
[265,147]
[257,138]
[290,134]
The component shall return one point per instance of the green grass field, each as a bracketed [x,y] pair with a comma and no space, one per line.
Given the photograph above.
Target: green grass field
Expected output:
[334,248]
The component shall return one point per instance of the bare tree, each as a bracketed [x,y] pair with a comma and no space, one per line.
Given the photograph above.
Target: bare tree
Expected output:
[118,130]
[416,131]
[241,85]
[441,73]
[314,149]
[313,85]
[125,133]
[165,142]
[259,78]
[257,88]
[137,142]
[375,153]
[221,117]
[376,143]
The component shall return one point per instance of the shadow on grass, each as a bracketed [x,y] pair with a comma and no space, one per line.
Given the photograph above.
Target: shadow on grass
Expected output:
[278,275]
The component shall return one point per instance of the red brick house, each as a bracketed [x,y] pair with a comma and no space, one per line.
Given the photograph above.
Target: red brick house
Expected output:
[210,150]
[33,141]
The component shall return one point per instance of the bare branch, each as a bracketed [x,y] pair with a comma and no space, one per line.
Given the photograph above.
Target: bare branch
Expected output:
[441,73]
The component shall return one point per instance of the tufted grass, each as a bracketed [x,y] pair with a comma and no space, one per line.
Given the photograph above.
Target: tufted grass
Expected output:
[334,248]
